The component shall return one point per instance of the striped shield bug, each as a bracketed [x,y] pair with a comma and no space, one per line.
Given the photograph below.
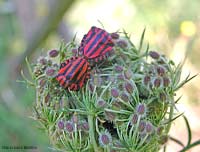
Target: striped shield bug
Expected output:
[73,73]
[96,44]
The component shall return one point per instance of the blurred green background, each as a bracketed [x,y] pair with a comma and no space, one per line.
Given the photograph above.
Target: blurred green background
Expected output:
[32,27]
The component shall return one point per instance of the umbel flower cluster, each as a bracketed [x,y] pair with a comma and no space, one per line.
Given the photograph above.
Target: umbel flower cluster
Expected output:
[127,105]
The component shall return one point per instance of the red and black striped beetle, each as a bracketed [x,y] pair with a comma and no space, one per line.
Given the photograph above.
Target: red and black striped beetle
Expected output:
[96,44]
[74,72]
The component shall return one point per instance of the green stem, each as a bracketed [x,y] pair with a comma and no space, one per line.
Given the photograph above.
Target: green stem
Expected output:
[91,132]
[190,146]
[170,117]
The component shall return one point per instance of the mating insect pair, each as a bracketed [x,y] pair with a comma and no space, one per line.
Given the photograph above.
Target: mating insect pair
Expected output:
[95,46]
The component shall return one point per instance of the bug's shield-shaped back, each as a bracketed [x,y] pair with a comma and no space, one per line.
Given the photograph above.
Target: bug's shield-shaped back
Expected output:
[97,43]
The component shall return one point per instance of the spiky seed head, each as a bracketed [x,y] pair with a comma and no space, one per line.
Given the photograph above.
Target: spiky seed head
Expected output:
[154,54]
[105,139]
[53,53]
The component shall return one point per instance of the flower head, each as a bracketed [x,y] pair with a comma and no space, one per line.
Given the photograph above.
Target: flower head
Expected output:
[53,53]
[154,54]
[141,109]
[69,126]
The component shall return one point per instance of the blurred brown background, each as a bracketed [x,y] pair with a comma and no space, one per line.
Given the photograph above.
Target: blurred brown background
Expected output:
[31,27]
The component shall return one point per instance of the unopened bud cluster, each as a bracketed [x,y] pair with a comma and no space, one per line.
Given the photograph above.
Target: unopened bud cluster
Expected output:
[123,106]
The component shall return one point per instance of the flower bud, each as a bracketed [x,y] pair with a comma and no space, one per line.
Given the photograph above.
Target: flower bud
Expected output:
[166,81]
[128,74]
[163,139]
[149,127]
[118,68]
[162,96]
[85,126]
[61,124]
[53,53]
[50,72]
[124,97]
[129,87]
[134,119]
[159,130]
[142,126]
[114,92]
[160,70]
[154,54]
[146,80]
[69,126]
[141,109]
[122,44]
[157,82]
[101,103]
[42,60]
[105,139]
[110,115]
[114,35]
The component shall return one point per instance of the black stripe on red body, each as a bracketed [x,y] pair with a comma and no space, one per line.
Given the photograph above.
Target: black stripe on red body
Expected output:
[73,73]
[96,43]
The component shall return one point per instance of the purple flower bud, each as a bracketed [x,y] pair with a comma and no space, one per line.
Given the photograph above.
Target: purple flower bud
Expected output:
[162,96]
[122,44]
[90,86]
[110,115]
[47,98]
[128,74]
[129,87]
[53,53]
[101,103]
[160,70]
[105,139]
[142,126]
[75,118]
[141,109]
[134,119]
[118,68]
[61,124]
[69,126]
[85,126]
[163,139]
[166,81]
[74,51]
[159,130]
[114,92]
[146,80]
[120,77]
[42,60]
[154,54]
[124,97]
[114,35]
[149,127]
[42,82]
[50,72]
[116,104]
[157,82]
